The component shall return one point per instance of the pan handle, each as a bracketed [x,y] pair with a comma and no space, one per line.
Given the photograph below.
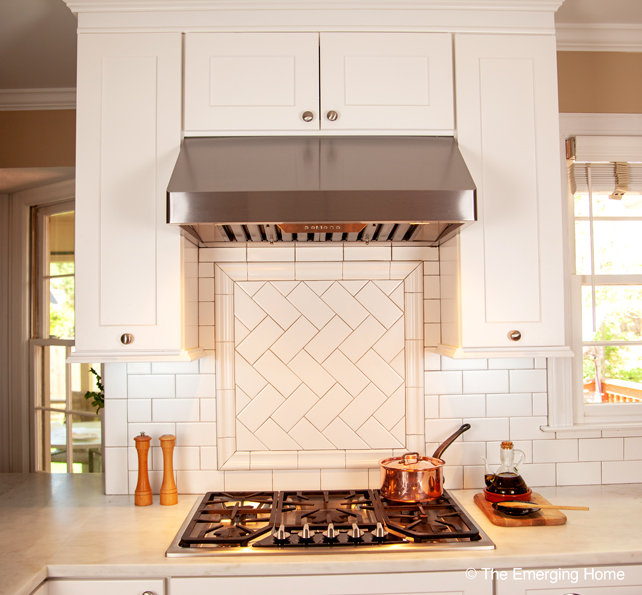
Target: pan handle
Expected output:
[440,449]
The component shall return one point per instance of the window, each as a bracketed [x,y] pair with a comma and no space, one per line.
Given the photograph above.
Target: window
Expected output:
[68,430]
[606,287]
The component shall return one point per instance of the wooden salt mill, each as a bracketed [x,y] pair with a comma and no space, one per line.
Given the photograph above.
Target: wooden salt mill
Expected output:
[168,492]
[143,493]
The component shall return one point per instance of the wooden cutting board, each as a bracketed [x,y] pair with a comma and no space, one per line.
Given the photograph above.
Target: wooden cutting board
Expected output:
[543,517]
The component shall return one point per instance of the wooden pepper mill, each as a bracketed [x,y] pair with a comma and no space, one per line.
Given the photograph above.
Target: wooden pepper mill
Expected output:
[168,492]
[143,493]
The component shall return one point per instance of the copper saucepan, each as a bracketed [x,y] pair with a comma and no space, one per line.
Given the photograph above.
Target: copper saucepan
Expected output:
[413,478]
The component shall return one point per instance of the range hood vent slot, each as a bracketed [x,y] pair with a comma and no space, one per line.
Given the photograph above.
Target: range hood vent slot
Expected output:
[321,189]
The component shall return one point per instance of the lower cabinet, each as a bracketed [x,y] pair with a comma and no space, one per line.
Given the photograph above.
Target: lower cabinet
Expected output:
[102,587]
[416,583]
[598,580]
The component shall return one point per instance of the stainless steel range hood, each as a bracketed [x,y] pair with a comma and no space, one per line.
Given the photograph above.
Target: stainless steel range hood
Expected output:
[348,188]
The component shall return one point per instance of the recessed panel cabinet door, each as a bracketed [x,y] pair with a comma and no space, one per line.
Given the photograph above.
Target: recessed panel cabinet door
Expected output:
[251,81]
[511,259]
[106,587]
[128,259]
[400,583]
[386,81]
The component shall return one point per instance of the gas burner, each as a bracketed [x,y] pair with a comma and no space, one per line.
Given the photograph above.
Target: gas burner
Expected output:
[322,521]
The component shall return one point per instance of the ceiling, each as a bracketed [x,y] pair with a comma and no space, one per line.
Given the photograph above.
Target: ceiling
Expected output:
[38,49]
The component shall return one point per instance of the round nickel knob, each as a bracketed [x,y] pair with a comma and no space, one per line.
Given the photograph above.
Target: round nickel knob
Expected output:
[149,593]
[127,339]
[332,115]
[307,116]
[514,335]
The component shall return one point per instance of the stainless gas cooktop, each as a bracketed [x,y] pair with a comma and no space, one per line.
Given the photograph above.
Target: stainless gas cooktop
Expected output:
[330,521]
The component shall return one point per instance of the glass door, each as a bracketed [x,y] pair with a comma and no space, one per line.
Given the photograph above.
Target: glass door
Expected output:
[68,429]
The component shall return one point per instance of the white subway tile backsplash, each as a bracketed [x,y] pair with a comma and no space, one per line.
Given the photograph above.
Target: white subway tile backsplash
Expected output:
[206,269]
[206,337]
[196,386]
[208,409]
[115,381]
[321,459]
[206,313]
[515,363]
[370,252]
[431,288]
[270,253]
[153,429]
[509,405]
[236,254]
[453,477]
[139,410]
[432,361]
[366,270]
[318,271]
[540,404]
[116,480]
[443,383]
[448,364]
[539,474]
[208,458]
[485,381]
[195,434]
[432,335]
[206,289]
[273,459]
[159,386]
[527,381]
[432,310]
[431,406]
[241,481]
[555,451]
[622,472]
[415,253]
[601,449]
[274,271]
[305,252]
[363,459]
[351,479]
[207,364]
[474,477]
[431,268]
[461,453]
[621,433]
[199,482]
[486,429]
[175,410]
[308,479]
[437,430]
[139,368]
[576,474]
[632,448]
[184,458]
[528,428]
[175,367]
[462,405]
[116,422]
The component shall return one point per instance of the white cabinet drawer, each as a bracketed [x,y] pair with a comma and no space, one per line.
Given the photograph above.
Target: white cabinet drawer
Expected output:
[106,587]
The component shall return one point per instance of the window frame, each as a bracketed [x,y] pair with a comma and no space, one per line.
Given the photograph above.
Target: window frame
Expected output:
[566,408]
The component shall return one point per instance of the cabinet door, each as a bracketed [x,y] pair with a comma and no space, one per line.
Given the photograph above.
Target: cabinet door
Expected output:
[105,587]
[387,81]
[251,81]
[599,580]
[406,583]
[511,260]
[128,259]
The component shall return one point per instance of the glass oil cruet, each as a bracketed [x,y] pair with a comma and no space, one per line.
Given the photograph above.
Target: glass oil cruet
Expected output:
[507,475]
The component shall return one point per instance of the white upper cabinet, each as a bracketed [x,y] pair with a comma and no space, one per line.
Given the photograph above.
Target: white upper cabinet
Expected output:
[133,275]
[387,81]
[251,81]
[244,82]
[502,279]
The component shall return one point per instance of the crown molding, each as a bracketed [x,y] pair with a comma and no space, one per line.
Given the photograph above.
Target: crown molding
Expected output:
[37,99]
[599,38]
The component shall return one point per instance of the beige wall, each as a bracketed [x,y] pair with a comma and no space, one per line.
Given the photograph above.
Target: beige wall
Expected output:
[600,82]
[38,138]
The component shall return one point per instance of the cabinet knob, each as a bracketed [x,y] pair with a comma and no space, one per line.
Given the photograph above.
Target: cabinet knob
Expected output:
[149,593]
[307,116]
[332,115]
[127,338]
[514,335]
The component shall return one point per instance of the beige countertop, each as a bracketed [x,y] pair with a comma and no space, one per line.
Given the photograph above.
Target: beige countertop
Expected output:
[63,526]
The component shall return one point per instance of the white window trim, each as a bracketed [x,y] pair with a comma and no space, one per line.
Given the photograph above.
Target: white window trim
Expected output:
[565,405]
[16,401]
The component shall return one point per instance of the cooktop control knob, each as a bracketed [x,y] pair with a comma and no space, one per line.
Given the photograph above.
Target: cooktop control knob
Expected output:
[281,534]
[330,533]
[380,532]
[306,534]
[355,533]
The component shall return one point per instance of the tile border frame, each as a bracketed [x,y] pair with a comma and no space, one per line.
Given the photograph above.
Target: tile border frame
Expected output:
[228,457]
